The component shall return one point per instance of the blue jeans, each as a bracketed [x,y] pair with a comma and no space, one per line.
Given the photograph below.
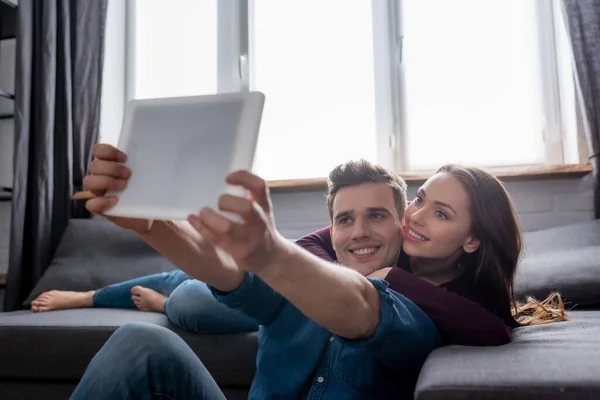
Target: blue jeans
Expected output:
[145,361]
[190,303]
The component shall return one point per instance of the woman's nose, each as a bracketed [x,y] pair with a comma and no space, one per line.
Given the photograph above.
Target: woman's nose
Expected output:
[418,217]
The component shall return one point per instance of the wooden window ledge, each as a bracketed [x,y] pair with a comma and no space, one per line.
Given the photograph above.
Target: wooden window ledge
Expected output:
[518,173]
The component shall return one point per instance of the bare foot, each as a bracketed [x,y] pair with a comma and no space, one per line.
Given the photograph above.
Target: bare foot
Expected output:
[147,299]
[62,300]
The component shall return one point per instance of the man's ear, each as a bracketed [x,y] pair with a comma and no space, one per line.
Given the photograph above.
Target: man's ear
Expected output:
[471,244]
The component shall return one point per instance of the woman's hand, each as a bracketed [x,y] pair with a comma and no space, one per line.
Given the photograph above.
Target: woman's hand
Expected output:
[108,172]
[254,241]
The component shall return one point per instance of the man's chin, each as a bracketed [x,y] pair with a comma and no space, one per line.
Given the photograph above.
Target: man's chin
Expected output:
[366,268]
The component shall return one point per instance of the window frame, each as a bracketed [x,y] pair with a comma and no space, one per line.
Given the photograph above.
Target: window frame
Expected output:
[235,73]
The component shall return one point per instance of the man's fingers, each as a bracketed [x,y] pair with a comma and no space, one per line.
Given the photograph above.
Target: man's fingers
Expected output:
[257,186]
[110,168]
[100,205]
[206,232]
[99,184]
[245,208]
[216,222]
[107,152]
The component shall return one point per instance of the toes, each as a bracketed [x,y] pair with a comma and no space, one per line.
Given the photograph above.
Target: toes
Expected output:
[136,290]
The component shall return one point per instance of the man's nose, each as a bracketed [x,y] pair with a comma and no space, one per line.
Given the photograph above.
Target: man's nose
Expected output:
[362,229]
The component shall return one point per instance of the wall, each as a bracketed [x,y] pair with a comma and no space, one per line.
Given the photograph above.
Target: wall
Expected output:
[540,204]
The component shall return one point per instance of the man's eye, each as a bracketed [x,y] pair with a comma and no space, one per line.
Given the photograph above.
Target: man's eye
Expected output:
[345,220]
[377,216]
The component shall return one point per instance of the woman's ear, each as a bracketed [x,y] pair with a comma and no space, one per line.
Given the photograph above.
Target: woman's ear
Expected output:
[471,244]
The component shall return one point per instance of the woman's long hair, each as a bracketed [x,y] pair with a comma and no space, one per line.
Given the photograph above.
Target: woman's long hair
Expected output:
[493,266]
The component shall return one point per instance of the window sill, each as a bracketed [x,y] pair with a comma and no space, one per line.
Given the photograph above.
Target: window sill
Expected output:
[517,173]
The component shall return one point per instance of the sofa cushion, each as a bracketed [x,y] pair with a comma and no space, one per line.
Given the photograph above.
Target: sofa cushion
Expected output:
[94,253]
[58,345]
[564,259]
[554,361]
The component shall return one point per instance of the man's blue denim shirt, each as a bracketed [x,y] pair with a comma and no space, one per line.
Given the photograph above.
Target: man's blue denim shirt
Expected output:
[297,358]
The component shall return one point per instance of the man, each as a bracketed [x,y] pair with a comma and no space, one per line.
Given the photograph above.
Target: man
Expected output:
[326,331]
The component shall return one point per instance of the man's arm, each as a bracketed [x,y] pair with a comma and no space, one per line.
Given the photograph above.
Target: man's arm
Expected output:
[253,298]
[404,337]
[459,320]
[181,244]
[337,298]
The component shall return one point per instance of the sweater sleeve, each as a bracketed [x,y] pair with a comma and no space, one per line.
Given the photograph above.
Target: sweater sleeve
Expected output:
[460,321]
[319,244]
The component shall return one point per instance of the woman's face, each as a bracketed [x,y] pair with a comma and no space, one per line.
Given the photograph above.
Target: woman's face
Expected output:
[437,223]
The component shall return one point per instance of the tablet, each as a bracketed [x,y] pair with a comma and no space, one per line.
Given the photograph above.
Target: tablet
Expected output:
[181,149]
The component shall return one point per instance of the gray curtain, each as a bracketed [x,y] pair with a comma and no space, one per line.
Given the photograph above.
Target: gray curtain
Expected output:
[583,23]
[58,81]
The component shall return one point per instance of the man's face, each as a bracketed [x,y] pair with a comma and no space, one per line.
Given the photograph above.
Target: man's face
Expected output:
[367,229]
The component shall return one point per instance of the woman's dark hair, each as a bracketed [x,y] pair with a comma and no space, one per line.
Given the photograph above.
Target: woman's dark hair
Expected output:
[492,267]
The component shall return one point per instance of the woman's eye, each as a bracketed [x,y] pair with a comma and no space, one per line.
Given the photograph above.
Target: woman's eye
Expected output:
[440,215]
[419,200]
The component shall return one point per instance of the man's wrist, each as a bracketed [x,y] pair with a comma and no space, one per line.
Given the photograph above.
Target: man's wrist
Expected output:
[278,258]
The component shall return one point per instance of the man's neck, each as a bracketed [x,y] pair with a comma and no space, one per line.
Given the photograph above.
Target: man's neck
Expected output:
[435,271]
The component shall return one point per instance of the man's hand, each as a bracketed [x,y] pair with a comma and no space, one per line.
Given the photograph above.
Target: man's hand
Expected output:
[380,273]
[108,172]
[253,242]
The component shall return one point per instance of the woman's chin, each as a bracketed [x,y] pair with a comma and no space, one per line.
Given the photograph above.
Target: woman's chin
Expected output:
[416,250]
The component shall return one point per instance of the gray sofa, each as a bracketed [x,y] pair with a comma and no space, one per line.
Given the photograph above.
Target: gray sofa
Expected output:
[44,355]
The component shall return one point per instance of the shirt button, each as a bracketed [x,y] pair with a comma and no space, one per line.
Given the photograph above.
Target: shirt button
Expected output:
[320,379]
[331,339]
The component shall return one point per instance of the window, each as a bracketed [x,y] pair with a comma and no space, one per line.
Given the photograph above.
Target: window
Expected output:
[472,89]
[408,84]
[314,61]
[175,49]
